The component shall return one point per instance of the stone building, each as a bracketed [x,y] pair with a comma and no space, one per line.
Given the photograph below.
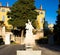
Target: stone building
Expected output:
[3,15]
[40,18]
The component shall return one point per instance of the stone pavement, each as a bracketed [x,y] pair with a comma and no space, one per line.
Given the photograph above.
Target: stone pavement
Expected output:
[11,49]
[50,50]
[46,49]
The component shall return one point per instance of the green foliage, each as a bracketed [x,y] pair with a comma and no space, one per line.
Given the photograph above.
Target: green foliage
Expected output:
[21,11]
[57,28]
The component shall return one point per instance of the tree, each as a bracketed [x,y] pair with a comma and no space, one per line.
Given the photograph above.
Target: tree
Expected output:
[21,11]
[57,27]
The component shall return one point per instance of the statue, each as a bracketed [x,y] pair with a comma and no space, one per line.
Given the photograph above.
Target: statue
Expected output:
[29,39]
[29,29]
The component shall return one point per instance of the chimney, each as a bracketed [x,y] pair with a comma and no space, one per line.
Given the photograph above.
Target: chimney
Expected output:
[0,4]
[41,7]
[7,4]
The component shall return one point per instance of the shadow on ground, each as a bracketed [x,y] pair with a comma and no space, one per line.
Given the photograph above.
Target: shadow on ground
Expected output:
[44,43]
[50,47]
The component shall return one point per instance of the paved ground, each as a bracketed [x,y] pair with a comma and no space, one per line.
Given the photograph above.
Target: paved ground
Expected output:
[50,50]
[46,50]
[10,49]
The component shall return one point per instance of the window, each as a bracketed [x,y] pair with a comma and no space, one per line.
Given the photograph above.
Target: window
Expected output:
[3,10]
[0,8]
[3,18]
[41,20]
[40,12]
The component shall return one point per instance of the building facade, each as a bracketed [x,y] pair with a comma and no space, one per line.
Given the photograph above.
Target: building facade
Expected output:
[40,18]
[3,15]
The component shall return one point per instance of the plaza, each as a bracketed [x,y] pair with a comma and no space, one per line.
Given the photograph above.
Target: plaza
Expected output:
[25,28]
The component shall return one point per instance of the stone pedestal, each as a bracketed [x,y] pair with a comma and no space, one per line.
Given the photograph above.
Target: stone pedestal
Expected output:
[7,39]
[28,52]
[3,31]
[29,41]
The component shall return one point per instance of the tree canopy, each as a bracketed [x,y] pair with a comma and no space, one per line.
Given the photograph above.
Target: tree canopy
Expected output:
[57,27]
[21,11]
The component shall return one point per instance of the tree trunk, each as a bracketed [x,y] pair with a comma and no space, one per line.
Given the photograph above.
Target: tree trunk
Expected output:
[22,37]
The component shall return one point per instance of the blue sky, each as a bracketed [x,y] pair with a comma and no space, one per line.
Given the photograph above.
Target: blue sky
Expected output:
[51,6]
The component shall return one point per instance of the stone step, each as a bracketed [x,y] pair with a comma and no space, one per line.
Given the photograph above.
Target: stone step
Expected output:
[28,52]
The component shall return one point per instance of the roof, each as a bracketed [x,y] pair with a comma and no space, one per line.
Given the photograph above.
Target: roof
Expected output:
[40,8]
[5,6]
